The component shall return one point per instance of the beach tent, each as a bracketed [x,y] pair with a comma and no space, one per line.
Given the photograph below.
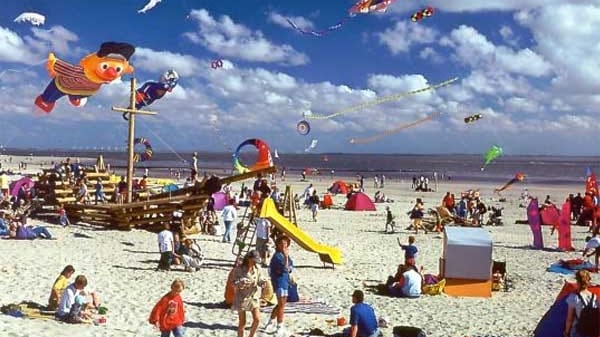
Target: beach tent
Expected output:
[16,185]
[339,187]
[360,202]
[466,263]
[552,323]
[220,200]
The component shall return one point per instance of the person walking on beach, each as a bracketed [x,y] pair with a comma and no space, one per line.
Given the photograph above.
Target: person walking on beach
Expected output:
[592,247]
[582,315]
[229,215]
[263,229]
[314,201]
[280,270]
[248,279]
[363,322]
[416,214]
[168,314]
[389,219]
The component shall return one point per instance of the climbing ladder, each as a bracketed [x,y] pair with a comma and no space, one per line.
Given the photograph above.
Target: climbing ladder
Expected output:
[246,236]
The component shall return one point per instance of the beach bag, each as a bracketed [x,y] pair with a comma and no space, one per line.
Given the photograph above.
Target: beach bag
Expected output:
[434,289]
[293,293]
[588,322]
[408,331]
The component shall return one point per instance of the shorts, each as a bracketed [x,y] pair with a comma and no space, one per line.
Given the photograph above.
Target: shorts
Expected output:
[280,292]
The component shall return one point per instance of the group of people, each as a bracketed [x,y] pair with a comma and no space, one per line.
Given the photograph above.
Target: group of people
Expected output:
[470,209]
[71,302]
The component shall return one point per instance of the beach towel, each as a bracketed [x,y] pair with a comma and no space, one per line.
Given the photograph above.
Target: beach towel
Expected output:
[28,310]
[306,307]
[571,266]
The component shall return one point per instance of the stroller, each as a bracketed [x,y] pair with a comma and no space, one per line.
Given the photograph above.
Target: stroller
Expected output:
[495,216]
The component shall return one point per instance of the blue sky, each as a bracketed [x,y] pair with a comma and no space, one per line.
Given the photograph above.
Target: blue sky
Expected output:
[531,67]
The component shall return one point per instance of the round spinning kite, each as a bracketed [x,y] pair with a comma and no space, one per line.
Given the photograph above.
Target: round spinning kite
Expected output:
[147,154]
[264,159]
[303,128]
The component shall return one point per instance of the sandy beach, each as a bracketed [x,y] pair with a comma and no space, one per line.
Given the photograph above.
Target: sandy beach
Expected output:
[120,267]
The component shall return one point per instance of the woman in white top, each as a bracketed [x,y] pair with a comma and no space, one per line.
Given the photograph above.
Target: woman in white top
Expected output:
[229,215]
[576,305]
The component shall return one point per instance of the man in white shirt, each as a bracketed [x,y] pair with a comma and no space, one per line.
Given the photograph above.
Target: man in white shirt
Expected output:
[592,247]
[412,283]
[229,215]
[263,227]
[166,247]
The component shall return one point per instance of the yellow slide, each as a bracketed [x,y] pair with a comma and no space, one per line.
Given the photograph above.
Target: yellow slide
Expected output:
[327,254]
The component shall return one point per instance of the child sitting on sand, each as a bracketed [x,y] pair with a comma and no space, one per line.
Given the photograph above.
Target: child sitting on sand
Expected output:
[80,310]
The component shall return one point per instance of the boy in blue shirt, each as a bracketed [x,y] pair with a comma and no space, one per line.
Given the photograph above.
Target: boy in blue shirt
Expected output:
[363,322]
[410,251]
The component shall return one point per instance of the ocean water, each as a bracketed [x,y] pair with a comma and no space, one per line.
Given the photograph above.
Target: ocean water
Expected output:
[538,169]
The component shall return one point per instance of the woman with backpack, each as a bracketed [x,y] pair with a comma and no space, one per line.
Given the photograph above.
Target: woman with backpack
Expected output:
[583,315]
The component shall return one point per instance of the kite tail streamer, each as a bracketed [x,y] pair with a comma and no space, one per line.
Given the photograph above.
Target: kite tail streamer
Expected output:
[393,130]
[383,100]
[319,33]
[507,185]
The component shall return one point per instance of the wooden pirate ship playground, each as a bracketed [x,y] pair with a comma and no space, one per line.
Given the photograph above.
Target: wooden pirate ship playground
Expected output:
[150,211]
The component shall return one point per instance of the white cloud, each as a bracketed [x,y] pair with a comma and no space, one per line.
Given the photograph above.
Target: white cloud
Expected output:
[509,36]
[521,104]
[566,35]
[430,54]
[32,50]
[300,21]
[158,61]
[404,34]
[227,38]
[475,50]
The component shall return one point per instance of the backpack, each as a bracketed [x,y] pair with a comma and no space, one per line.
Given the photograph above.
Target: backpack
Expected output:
[588,322]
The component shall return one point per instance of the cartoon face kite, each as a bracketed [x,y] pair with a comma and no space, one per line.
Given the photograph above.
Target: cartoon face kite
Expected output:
[84,80]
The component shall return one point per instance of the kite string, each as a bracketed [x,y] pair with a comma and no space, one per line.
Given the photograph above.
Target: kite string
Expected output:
[383,100]
[393,130]
[163,141]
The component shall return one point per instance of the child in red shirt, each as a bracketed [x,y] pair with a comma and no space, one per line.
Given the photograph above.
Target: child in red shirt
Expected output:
[168,314]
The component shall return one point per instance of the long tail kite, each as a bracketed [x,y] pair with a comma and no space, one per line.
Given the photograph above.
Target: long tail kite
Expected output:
[360,7]
[393,130]
[518,177]
[382,100]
